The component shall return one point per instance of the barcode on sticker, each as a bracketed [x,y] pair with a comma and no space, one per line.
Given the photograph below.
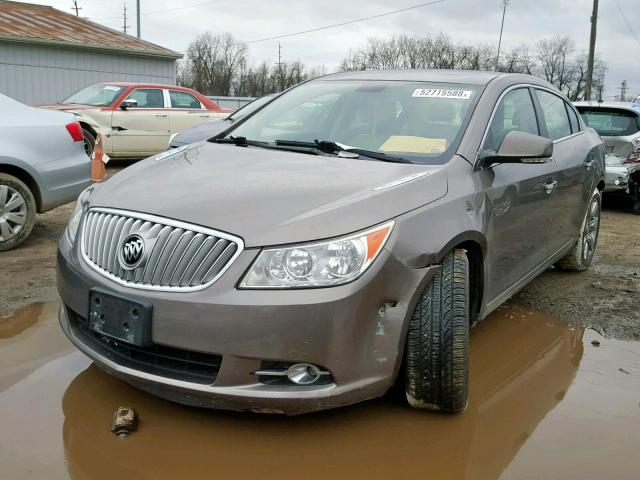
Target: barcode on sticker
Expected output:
[442,93]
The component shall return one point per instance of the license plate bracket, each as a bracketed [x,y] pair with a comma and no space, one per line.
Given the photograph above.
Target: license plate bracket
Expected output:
[120,318]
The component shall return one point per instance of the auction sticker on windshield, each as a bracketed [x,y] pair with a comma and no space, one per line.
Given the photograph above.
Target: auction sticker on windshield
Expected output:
[442,93]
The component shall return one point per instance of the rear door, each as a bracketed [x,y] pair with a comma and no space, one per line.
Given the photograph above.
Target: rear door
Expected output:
[518,205]
[142,130]
[575,168]
[186,111]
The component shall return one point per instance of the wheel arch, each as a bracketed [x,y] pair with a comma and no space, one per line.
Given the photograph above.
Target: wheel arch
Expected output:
[27,179]
[87,126]
[475,244]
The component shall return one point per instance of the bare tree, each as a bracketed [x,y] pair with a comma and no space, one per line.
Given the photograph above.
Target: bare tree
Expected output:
[211,63]
[555,57]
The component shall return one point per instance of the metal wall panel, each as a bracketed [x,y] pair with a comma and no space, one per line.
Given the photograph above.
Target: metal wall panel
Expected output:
[35,74]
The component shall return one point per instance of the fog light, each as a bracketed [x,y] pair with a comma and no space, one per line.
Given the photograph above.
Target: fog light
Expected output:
[298,373]
[303,374]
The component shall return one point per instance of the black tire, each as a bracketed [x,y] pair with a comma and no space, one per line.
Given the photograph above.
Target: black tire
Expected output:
[437,352]
[16,233]
[580,257]
[635,207]
[89,142]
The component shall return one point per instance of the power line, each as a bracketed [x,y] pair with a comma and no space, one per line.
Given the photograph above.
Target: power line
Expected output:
[627,21]
[168,9]
[326,27]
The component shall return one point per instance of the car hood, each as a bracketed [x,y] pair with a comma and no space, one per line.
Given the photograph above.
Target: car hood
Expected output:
[69,106]
[200,132]
[619,147]
[271,197]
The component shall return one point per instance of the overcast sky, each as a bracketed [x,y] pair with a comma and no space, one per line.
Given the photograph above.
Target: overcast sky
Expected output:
[473,21]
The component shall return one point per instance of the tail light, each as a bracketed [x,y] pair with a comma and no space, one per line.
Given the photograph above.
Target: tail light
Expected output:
[75,130]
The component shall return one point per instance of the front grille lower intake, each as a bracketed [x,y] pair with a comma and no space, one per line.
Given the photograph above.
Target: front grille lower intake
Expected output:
[161,360]
[177,256]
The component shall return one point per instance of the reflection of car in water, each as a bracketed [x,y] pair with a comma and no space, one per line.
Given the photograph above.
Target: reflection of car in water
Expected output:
[521,369]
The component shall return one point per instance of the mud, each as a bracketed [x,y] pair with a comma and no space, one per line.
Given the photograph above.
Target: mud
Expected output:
[545,403]
[606,297]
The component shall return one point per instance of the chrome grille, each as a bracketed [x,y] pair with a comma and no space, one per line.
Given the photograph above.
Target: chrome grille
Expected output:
[179,256]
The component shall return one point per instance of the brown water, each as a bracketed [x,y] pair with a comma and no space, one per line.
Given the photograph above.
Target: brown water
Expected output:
[545,403]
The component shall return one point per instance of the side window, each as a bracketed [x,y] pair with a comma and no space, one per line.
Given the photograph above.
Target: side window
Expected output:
[148,98]
[514,113]
[554,114]
[573,119]
[183,100]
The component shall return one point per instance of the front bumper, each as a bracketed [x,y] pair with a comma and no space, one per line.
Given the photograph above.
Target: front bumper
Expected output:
[341,329]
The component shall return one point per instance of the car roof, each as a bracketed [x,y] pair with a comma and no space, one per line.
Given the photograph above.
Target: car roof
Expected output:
[469,77]
[141,84]
[608,105]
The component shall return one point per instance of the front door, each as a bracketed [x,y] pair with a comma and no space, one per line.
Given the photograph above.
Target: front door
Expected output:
[142,130]
[517,199]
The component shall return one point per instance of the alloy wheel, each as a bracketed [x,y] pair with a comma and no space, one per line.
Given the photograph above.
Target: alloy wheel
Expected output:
[88,147]
[590,234]
[13,212]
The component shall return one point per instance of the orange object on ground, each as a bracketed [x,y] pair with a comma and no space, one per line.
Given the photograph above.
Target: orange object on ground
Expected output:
[98,172]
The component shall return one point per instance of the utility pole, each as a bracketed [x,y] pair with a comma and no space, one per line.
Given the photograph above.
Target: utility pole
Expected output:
[76,8]
[505,3]
[623,91]
[124,25]
[600,88]
[138,16]
[280,67]
[592,50]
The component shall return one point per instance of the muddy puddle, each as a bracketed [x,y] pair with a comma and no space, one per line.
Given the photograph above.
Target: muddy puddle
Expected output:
[545,403]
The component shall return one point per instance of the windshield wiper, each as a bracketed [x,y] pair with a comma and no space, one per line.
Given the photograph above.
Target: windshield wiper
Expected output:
[333,147]
[244,142]
[239,141]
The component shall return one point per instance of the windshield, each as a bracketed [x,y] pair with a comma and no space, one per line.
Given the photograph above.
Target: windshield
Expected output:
[611,122]
[419,121]
[96,95]
[250,107]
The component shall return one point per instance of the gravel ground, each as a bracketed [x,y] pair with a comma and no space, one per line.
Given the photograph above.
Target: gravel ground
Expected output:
[606,297]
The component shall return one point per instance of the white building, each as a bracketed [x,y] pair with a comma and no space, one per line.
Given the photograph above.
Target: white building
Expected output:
[47,54]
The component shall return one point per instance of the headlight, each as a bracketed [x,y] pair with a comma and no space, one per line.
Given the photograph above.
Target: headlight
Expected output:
[321,264]
[81,206]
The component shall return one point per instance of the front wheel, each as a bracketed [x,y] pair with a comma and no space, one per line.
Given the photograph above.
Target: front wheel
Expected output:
[437,353]
[581,255]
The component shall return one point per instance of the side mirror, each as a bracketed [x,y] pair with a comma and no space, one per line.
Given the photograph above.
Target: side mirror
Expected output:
[520,147]
[128,103]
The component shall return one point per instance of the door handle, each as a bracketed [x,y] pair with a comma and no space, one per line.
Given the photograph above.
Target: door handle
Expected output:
[160,114]
[205,115]
[550,185]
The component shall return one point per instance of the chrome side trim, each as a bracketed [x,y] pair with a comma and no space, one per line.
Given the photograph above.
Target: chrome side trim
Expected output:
[157,220]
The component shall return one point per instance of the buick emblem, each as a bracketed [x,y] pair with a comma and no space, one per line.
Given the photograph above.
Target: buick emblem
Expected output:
[131,252]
